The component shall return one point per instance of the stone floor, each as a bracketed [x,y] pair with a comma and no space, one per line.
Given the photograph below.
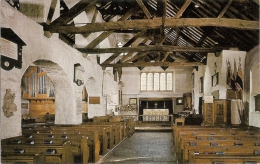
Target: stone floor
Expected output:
[143,148]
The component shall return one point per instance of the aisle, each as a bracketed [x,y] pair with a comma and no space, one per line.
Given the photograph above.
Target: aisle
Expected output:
[143,147]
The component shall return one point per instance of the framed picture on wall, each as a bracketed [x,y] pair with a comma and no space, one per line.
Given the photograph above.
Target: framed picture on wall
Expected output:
[133,101]
[179,101]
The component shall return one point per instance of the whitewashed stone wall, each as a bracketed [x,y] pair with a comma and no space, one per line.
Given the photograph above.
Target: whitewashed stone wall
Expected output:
[252,81]
[200,73]
[57,59]
[210,69]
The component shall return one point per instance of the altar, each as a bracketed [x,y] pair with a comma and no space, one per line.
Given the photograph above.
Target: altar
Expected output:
[155,114]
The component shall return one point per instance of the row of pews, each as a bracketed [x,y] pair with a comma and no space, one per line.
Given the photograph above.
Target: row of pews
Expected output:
[48,143]
[219,145]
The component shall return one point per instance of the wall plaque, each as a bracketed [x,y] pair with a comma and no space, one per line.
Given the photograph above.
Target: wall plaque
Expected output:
[10,49]
[94,100]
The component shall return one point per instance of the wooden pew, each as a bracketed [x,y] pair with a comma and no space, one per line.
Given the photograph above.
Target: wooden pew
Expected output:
[82,142]
[211,131]
[196,137]
[179,131]
[130,126]
[91,145]
[101,118]
[222,143]
[39,158]
[111,130]
[129,123]
[103,132]
[115,130]
[223,158]
[54,153]
[98,136]
[193,138]
[222,135]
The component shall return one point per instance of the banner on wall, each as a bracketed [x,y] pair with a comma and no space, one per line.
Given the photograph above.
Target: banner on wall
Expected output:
[234,79]
[239,81]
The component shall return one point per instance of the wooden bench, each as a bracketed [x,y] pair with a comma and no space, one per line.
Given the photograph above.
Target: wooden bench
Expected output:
[117,130]
[199,130]
[129,123]
[212,132]
[182,146]
[183,155]
[221,135]
[196,138]
[189,139]
[210,136]
[109,133]
[38,158]
[130,126]
[92,142]
[54,153]
[223,158]
[98,135]
[111,130]
[105,132]
[81,154]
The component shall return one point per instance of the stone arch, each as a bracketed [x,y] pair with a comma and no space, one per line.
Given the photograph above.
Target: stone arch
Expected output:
[65,103]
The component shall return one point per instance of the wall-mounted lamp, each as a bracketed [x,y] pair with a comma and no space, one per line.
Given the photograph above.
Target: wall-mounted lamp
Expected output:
[78,74]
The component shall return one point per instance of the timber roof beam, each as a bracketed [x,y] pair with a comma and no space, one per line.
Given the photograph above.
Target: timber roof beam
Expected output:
[156,23]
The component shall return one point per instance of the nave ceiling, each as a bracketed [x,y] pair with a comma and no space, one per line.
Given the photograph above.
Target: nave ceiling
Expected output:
[161,32]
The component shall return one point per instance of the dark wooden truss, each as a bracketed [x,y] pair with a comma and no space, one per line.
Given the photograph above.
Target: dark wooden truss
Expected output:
[173,33]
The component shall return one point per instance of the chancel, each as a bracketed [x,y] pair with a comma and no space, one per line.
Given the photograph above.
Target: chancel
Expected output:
[130,81]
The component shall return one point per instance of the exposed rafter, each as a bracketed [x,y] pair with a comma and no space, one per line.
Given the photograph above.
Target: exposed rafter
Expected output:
[105,34]
[73,12]
[150,64]
[225,9]
[115,55]
[183,8]
[156,23]
[148,48]
[145,10]
[160,31]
